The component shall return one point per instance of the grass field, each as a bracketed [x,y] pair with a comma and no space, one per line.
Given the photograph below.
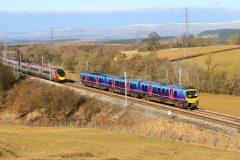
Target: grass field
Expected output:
[220,103]
[178,53]
[19,142]
[225,61]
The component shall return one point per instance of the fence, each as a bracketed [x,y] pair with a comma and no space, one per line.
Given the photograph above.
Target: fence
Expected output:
[69,124]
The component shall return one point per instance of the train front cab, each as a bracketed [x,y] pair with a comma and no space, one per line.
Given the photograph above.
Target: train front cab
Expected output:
[60,75]
[192,99]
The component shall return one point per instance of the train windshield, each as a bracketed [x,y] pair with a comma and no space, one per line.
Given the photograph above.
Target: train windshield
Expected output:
[61,72]
[191,94]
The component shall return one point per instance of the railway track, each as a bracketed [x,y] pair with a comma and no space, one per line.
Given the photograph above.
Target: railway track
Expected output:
[214,117]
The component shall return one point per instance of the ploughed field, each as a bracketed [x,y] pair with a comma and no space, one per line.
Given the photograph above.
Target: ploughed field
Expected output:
[20,142]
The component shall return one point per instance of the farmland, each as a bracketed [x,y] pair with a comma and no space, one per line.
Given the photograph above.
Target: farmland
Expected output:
[175,53]
[227,61]
[19,142]
[220,103]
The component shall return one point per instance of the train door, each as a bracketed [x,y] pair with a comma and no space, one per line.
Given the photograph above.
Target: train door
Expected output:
[171,94]
[128,86]
[97,80]
[86,78]
[113,83]
[150,90]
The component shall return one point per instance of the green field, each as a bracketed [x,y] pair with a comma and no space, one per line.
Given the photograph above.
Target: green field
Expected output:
[19,142]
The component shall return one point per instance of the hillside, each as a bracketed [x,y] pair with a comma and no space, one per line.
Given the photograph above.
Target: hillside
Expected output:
[226,61]
[176,53]
[73,143]
[222,34]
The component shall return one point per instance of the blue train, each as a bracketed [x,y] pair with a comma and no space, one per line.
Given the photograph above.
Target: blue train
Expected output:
[180,96]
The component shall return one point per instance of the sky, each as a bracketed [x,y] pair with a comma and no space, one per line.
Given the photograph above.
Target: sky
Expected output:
[41,15]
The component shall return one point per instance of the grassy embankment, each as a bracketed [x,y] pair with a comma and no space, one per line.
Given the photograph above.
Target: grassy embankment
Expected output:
[19,142]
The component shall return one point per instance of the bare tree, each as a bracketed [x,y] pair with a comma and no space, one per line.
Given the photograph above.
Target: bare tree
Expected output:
[153,40]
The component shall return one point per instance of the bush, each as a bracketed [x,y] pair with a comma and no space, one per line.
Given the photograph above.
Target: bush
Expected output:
[53,102]
[7,78]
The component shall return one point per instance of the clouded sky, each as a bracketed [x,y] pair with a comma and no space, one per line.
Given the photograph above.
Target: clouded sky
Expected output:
[39,15]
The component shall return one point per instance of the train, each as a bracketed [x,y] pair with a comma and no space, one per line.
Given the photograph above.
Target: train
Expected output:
[55,74]
[180,96]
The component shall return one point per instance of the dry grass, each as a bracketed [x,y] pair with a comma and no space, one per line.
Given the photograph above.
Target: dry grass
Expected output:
[178,53]
[227,61]
[73,76]
[70,143]
[221,103]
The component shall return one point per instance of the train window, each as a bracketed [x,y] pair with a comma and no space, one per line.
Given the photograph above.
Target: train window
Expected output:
[154,90]
[117,83]
[175,93]
[46,72]
[163,91]
[60,72]
[159,91]
[34,69]
[167,92]
[133,86]
[145,87]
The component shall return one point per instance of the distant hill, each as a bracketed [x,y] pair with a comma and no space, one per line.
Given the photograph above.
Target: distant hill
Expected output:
[134,41]
[220,34]
[123,34]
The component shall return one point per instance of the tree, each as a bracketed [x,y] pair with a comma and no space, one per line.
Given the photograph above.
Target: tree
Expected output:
[70,62]
[235,39]
[153,39]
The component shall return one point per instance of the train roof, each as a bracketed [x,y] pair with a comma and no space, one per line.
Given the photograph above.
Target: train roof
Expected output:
[163,84]
[94,73]
[111,76]
[157,83]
